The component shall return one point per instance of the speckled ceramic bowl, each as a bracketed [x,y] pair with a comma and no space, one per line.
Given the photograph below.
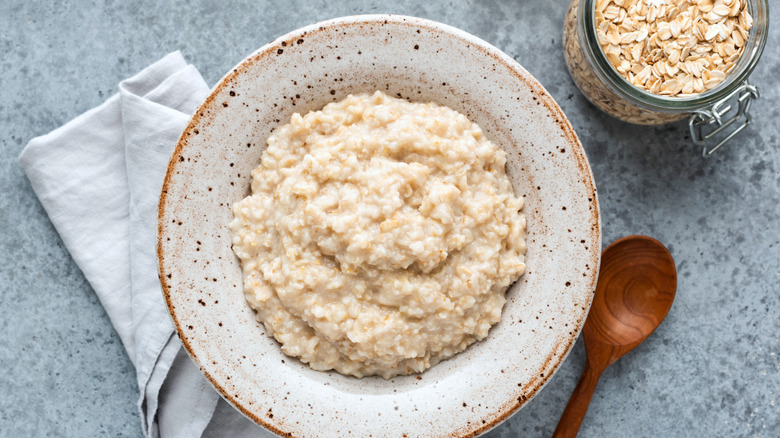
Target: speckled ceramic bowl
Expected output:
[422,61]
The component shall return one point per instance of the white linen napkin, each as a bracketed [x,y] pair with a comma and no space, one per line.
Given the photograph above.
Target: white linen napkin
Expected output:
[99,179]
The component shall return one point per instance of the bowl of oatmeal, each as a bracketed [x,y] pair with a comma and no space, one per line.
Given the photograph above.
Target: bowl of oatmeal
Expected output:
[378,225]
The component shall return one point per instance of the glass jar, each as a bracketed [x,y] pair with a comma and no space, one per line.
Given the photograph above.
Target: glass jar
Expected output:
[715,115]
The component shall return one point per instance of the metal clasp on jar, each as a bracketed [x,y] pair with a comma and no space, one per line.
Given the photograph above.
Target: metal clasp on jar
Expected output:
[715,117]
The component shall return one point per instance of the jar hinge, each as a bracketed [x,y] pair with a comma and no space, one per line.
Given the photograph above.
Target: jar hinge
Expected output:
[716,115]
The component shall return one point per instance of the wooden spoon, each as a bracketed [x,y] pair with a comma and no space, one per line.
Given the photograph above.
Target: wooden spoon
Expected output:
[635,290]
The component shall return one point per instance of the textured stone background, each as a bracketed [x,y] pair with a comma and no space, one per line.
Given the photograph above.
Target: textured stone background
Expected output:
[712,369]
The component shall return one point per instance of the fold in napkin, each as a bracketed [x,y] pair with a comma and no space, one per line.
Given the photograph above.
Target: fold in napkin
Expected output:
[99,179]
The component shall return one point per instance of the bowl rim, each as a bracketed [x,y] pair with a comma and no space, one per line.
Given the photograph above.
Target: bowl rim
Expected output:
[546,99]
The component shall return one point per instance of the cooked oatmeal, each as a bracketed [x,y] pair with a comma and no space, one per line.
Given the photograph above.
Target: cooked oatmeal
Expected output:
[380,236]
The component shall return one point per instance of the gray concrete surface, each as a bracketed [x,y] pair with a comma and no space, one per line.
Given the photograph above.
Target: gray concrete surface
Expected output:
[712,369]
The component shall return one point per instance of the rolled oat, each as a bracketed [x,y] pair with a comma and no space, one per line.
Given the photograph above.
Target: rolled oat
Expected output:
[673,47]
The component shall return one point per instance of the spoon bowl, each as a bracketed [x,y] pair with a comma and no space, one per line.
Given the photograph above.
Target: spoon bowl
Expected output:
[635,290]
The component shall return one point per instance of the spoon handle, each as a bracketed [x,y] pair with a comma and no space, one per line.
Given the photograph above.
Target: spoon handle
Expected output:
[570,421]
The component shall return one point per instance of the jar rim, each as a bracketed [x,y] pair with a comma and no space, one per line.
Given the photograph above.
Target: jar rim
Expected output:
[754,47]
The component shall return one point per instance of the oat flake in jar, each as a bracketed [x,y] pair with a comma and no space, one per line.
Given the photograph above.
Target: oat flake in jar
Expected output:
[651,62]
